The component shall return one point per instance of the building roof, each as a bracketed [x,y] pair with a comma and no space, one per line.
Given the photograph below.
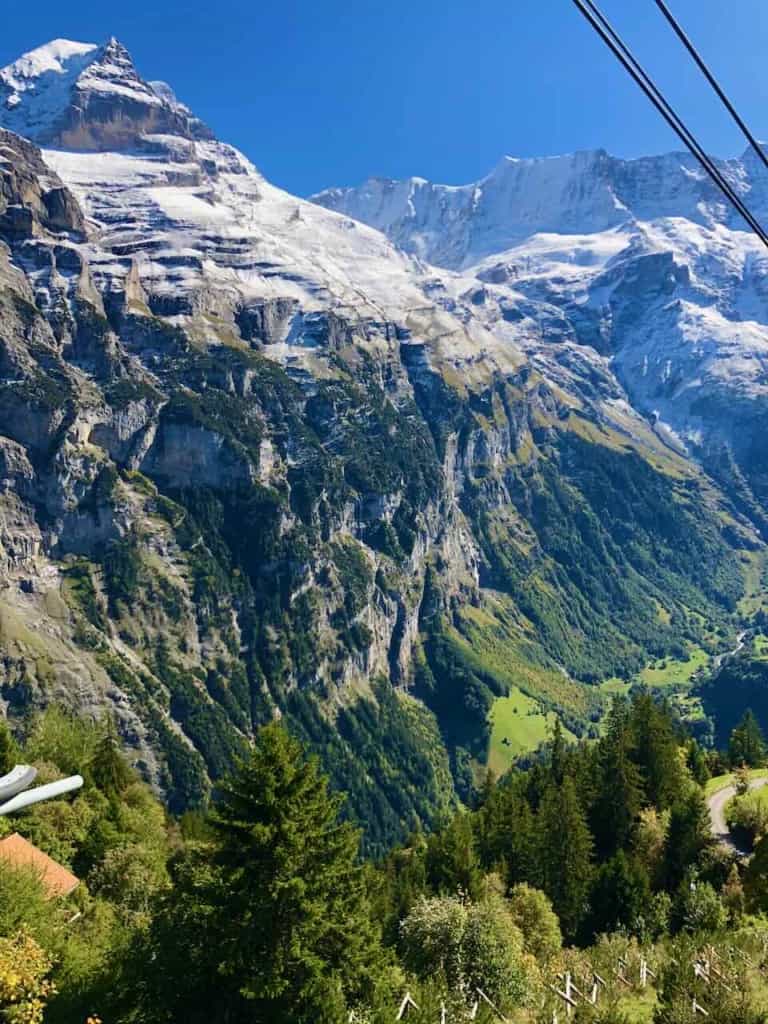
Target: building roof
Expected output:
[56,880]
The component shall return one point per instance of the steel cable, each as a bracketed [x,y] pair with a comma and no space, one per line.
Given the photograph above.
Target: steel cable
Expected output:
[621,51]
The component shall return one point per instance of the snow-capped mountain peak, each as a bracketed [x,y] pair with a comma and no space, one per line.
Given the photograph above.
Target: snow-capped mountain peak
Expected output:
[584,192]
[617,280]
[86,97]
[35,88]
[60,56]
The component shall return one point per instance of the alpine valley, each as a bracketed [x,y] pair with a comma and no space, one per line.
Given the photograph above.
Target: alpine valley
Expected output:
[416,468]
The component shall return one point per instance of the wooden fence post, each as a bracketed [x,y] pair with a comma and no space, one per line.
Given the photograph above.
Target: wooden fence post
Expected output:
[405,1006]
[493,1006]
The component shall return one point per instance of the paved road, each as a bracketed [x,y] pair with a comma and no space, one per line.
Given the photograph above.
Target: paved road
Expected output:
[716,804]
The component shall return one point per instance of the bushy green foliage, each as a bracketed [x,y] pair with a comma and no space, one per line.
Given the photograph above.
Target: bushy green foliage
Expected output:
[678,986]
[113,835]
[533,914]
[473,945]
[701,909]
[749,813]
[22,900]
[265,911]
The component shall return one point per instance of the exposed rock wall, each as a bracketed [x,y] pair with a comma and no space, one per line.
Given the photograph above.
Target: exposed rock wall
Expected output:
[256,462]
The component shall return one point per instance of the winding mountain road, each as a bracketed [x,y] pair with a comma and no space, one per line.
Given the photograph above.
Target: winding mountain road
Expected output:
[716,804]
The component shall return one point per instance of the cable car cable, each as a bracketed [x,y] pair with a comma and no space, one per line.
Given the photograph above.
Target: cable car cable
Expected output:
[621,51]
[686,41]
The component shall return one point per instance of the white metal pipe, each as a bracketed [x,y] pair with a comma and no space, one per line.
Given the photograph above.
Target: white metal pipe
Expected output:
[34,796]
[15,781]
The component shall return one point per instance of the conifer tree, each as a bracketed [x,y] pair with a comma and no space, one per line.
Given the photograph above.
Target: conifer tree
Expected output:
[622,895]
[696,760]
[505,835]
[655,751]
[298,939]
[452,861]
[521,849]
[565,855]
[558,754]
[620,792]
[402,879]
[108,768]
[272,920]
[688,836]
[747,743]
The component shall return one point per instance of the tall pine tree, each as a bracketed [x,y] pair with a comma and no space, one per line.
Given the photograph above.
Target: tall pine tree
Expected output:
[688,836]
[655,751]
[747,743]
[274,922]
[506,835]
[620,791]
[108,768]
[565,855]
[452,863]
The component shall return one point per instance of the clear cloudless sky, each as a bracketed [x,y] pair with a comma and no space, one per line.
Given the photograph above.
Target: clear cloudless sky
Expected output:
[328,92]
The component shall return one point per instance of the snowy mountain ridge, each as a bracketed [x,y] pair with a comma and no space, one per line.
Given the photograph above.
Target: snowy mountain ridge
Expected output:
[258,458]
[84,96]
[641,261]
[589,191]
[588,267]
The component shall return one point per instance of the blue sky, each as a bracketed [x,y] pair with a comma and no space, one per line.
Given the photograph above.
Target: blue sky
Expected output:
[327,93]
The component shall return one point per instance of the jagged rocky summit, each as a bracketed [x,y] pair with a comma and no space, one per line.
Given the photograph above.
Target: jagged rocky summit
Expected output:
[260,459]
[83,96]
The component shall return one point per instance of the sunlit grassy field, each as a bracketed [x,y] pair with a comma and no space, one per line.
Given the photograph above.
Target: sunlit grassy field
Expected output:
[518,726]
[668,672]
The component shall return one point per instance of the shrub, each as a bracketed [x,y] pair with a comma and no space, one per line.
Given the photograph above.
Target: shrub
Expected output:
[473,945]
[702,909]
[533,914]
[24,983]
[749,813]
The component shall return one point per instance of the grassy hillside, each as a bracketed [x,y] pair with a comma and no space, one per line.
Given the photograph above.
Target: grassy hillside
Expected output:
[518,726]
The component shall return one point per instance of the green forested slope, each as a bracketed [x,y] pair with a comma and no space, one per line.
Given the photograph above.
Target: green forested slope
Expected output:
[597,859]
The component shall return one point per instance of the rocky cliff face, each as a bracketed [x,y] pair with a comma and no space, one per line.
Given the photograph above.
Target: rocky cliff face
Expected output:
[637,267]
[258,461]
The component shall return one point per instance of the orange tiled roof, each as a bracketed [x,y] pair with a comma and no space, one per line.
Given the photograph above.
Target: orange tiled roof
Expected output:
[57,881]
